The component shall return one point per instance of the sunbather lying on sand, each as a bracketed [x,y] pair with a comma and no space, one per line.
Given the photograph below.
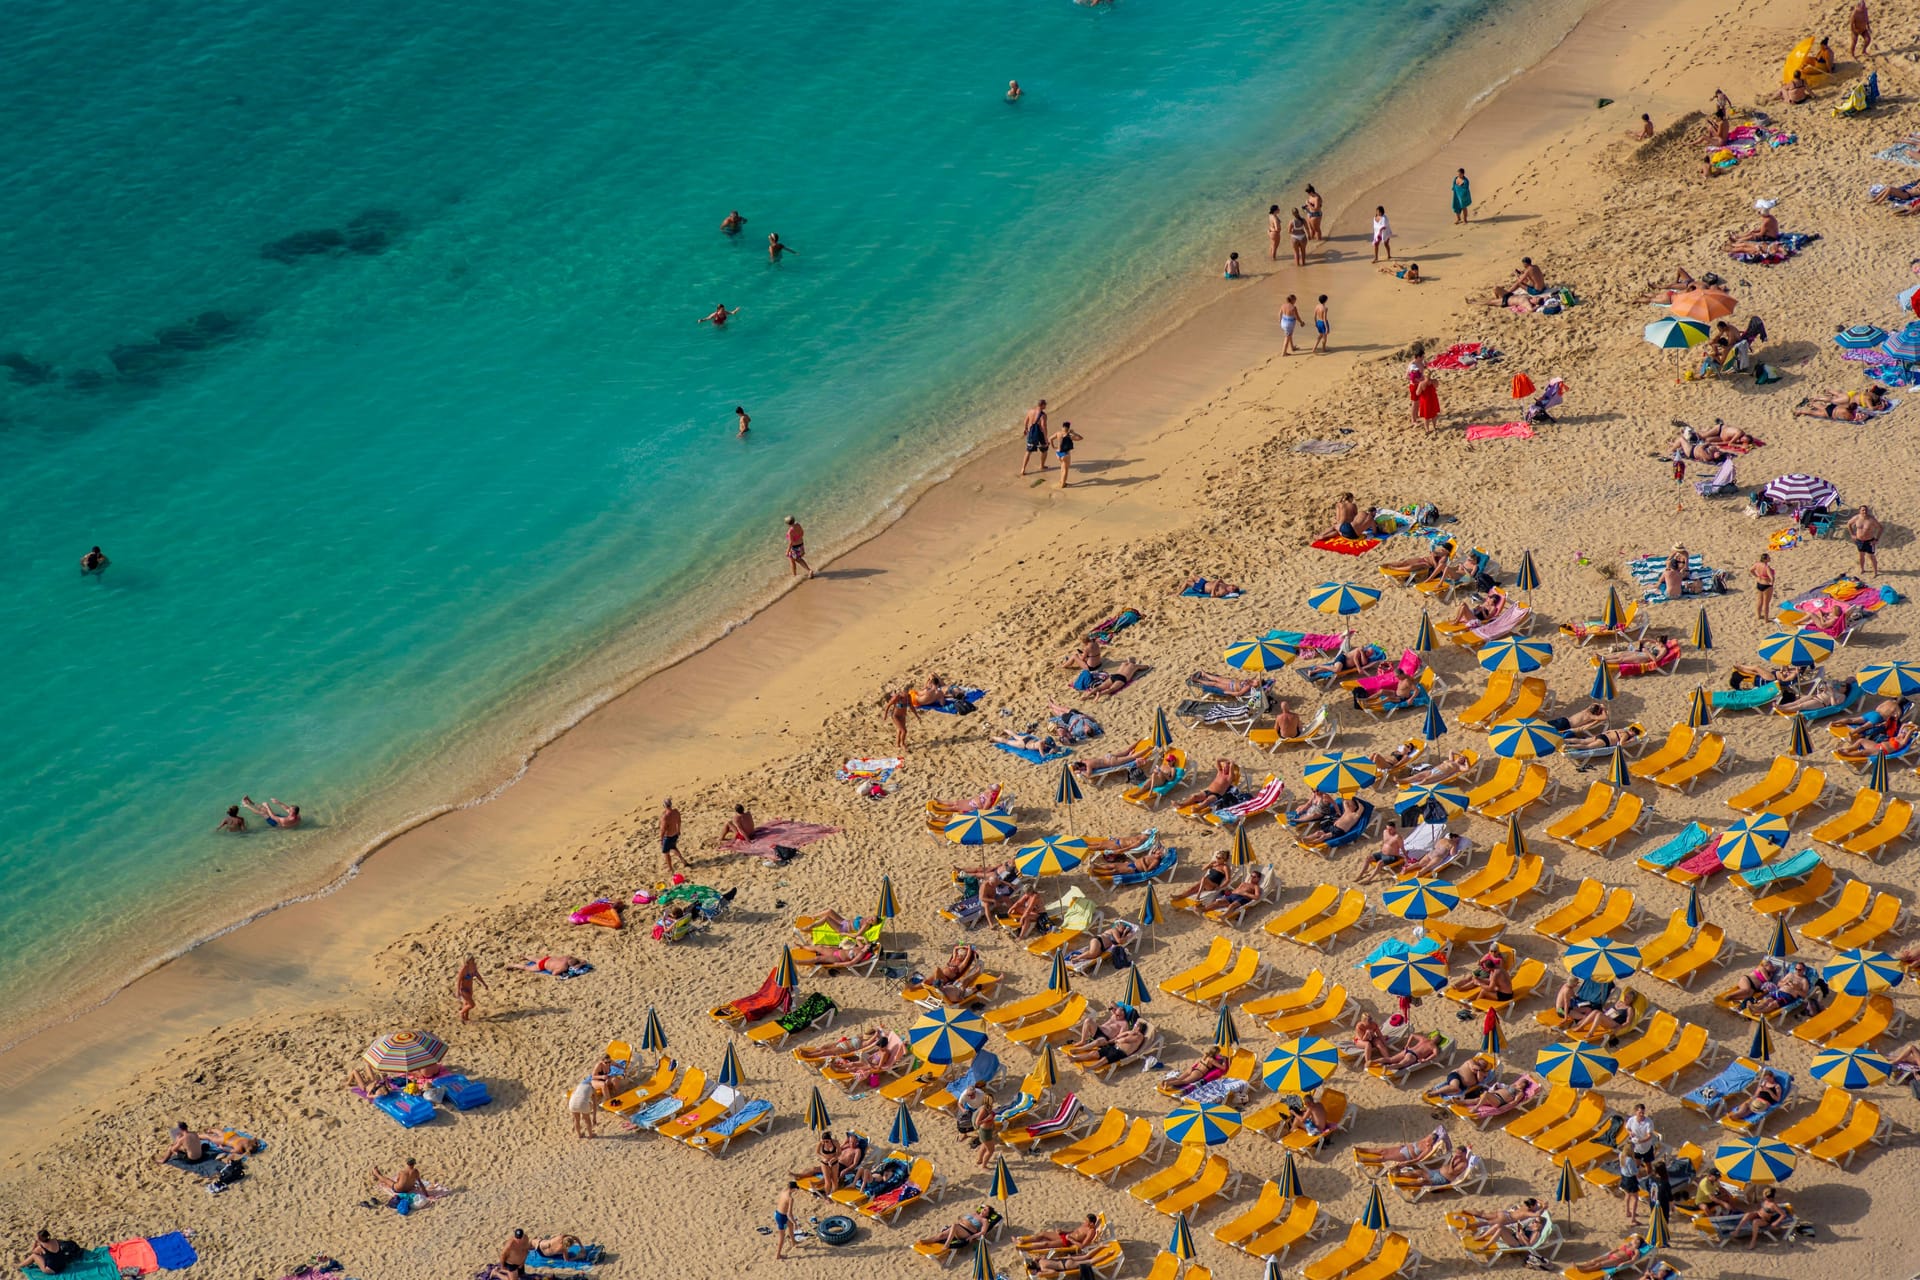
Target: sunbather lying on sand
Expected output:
[1042,744]
[1215,587]
[855,950]
[1902,192]
[571,1248]
[1410,273]
[1107,683]
[1845,407]
[548,964]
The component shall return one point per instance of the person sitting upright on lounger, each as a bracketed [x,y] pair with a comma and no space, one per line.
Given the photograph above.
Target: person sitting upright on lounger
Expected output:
[1225,773]
[1482,610]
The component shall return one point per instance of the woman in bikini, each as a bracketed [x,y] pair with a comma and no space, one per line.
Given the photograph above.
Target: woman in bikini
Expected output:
[1107,683]
[1210,1066]
[852,951]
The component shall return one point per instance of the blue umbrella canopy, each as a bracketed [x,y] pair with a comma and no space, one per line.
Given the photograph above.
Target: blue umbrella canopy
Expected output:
[653,1037]
[1514,653]
[1850,1068]
[1448,796]
[1751,840]
[946,1035]
[1601,960]
[1602,690]
[1263,653]
[1674,334]
[903,1134]
[988,827]
[1341,772]
[1752,1159]
[1802,738]
[1904,346]
[1180,1244]
[1150,909]
[1300,1066]
[1002,1185]
[1702,630]
[1374,1216]
[888,908]
[1524,739]
[1423,641]
[1575,1064]
[1342,597]
[1420,897]
[1432,727]
[1696,915]
[1890,679]
[1049,856]
[1858,972]
[1796,648]
[1409,975]
[1860,337]
[730,1067]
[1198,1122]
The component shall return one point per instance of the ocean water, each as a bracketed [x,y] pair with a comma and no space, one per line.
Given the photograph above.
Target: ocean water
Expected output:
[363,339]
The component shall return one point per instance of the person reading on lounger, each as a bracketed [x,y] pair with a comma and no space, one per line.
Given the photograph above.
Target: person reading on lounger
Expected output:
[1211,1065]
[1406,1153]
[1822,693]
[1073,1238]
[1609,1019]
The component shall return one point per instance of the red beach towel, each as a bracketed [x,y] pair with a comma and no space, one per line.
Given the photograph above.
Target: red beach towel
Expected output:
[136,1255]
[1348,546]
[784,831]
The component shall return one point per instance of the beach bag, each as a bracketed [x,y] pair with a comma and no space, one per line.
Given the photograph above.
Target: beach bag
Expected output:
[1765,373]
[785,853]
[1522,386]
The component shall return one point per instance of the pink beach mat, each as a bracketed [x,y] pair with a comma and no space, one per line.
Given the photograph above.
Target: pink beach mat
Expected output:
[1515,430]
[784,831]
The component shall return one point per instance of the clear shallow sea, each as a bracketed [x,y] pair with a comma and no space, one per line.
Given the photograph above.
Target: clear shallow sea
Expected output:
[375,523]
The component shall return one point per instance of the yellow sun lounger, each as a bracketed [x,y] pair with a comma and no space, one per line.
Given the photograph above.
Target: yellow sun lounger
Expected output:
[1654,1039]
[1692,1049]
[1865,1127]
[1316,904]
[1821,1123]
[1858,817]
[1536,784]
[1617,914]
[1588,812]
[1585,904]
[1106,1166]
[1184,1169]
[1678,745]
[1244,971]
[1805,892]
[1105,1136]
[1531,875]
[1776,783]
[1261,1215]
[1301,1223]
[1217,1178]
[1301,997]
[1039,1032]
[1709,757]
[1025,1009]
[1699,955]
[1344,1257]
[1219,956]
[1893,826]
[1396,1255]
[1628,816]
[1483,712]
[1340,1115]
[1322,933]
[1506,776]
[648,1091]
[1329,1012]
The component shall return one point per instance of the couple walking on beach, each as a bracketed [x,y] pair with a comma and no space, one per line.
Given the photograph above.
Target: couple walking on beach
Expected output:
[1036,438]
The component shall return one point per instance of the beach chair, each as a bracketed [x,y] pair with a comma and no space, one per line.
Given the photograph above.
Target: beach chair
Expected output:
[1732,1082]
[1530,875]
[1341,1114]
[1618,914]
[692,1088]
[1536,785]
[1038,1005]
[1330,1012]
[1244,970]
[1808,793]
[1105,1136]
[1397,1257]
[1779,778]
[1699,955]
[1669,943]
[1320,900]
[1551,1110]
[1351,911]
[1304,996]
[1319,730]
[1039,1032]
[1219,955]
[1642,1258]
[1859,816]
[715,1105]
[1138,1144]
[1262,1215]
[1632,627]
[1756,1124]
[1628,816]
[1710,756]
[1507,775]
[815,1012]
[646,1092]
[1585,814]
[1677,747]
[1414,1187]
[1068,1120]
[1514,619]
[1302,1223]
[1880,918]
[1655,1038]
[1344,1257]
[1184,1169]
[1893,826]
[1547,1245]
[911,1086]
[749,1118]
[1217,1178]
[920,1174]
[1486,709]
[1851,1022]
[1588,1115]
[1791,895]
[1586,903]
[1456,935]
[1265,800]
[1864,1128]
[1778,871]
[1822,1122]
[1531,699]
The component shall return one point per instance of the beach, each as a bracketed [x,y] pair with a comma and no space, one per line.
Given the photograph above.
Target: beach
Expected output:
[1189,468]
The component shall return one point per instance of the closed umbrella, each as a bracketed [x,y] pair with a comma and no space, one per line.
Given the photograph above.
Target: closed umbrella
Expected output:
[1781,945]
[1659,1234]
[982,1262]
[1601,959]
[1432,727]
[1242,846]
[942,1036]
[1890,679]
[1225,1035]
[1263,653]
[1180,1245]
[1136,993]
[1858,972]
[1049,856]
[1374,1216]
[1046,1071]
[1878,773]
[1860,337]
[1067,793]
[1002,1185]
[1574,1064]
[1516,838]
[405,1051]
[1796,648]
[1676,335]
[1699,710]
[786,973]
[1423,638]
[1751,1160]
[1343,597]
[1524,739]
[653,1036]
[1300,1066]
[1798,489]
[817,1118]
[1057,975]
[1760,1048]
[1288,1183]
[1340,772]
[1696,914]
[1619,776]
[1150,910]
[1492,1040]
[903,1133]
[1801,743]
[1703,304]
[1568,1187]
[730,1067]
[1702,631]
[1420,897]
[1602,690]
[1514,653]
[1612,616]
[1207,1123]
[888,908]
[1850,1068]
[989,827]
[1528,578]
[1162,731]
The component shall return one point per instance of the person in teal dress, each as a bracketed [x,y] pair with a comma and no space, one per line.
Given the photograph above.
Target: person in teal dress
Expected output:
[1462,195]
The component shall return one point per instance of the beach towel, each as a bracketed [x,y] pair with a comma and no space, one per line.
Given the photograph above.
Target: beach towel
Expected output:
[951,706]
[1198,591]
[1347,546]
[1905,153]
[1787,246]
[94,1264]
[1463,355]
[1326,448]
[1106,631]
[1215,1091]
[1505,430]
[781,831]
[1033,757]
[171,1252]
[1681,847]
[1703,864]
[867,769]
[589,1254]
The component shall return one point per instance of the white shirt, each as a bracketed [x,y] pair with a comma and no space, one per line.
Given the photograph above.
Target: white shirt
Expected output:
[1381,231]
[1640,1132]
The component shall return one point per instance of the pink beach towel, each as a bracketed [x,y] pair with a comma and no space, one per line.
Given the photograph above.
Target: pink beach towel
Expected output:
[1456,356]
[784,831]
[1517,430]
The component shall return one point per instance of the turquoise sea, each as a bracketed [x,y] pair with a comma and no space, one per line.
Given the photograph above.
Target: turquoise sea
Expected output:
[362,337]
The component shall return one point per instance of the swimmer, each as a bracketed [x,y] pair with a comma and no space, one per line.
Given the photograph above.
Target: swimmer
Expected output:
[290,818]
[732,223]
[233,821]
[775,248]
[1013,91]
[94,561]
[719,316]
[1232,271]
[745,421]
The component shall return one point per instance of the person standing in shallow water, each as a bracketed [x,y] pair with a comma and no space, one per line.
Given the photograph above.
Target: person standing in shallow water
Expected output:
[1462,196]
[740,413]
[93,562]
[775,248]
[797,549]
[1273,233]
[1314,205]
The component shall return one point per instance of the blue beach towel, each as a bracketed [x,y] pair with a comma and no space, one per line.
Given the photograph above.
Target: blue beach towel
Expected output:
[1679,849]
[947,708]
[173,1251]
[1199,592]
[538,1261]
[1032,757]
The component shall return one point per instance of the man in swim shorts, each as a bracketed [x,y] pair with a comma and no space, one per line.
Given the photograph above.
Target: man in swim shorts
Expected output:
[1345,512]
[513,1255]
[1865,531]
[287,820]
[783,1221]
[669,833]
[1035,429]
[1322,326]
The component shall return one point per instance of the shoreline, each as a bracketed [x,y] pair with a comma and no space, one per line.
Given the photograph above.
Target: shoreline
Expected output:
[1210,337]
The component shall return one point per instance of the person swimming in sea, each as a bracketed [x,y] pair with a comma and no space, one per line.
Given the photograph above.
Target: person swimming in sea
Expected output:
[233,821]
[1233,268]
[287,820]
[718,318]
[94,561]
[732,223]
[775,248]
[1013,91]
[745,421]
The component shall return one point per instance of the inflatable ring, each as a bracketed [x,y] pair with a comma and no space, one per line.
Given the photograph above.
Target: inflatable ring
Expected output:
[836,1231]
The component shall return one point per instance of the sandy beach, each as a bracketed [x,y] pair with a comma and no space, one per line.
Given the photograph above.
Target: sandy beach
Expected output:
[1190,466]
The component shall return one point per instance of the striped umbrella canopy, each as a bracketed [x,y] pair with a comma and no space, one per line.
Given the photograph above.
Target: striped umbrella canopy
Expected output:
[988,827]
[1205,1122]
[1225,1034]
[1432,726]
[1343,597]
[405,1051]
[1850,1068]
[1781,945]
[1423,641]
[1046,1071]
[1002,1185]
[1528,578]
[1300,1066]
[1516,837]
[1514,653]
[1263,653]
[786,973]
[1057,975]
[1602,690]
[1857,972]
[1904,346]
[1707,304]
[1448,796]
[1150,909]
[1524,739]
[1696,915]
[1180,1244]
[1619,776]
[1752,1159]
[1802,743]
[1242,846]
[1859,337]
[1673,334]
[1760,1048]
[1374,1216]
[903,1133]
[1659,1234]
[1799,490]
[1162,735]
[653,1037]
[1492,1039]
[1879,773]
[817,1118]
[1574,1064]
[982,1264]
[1702,630]
[1136,993]
[947,1035]
[1747,843]
[1341,772]
[1420,897]
[1612,616]
[1067,790]
[1569,1187]
[730,1067]
[1890,679]
[1600,959]
[1796,648]
[1288,1181]
[1409,976]
[889,907]
[1699,709]
[1049,856]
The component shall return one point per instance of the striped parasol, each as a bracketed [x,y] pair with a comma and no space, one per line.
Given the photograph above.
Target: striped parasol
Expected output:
[1752,840]
[1516,837]
[1263,653]
[1802,740]
[1162,735]
[1879,773]
[817,1118]
[1448,796]
[1150,909]
[1288,1182]
[1423,641]
[1002,1185]
[942,1036]
[1242,845]
[1612,616]
[1569,1187]
[1492,1039]
[1600,959]
[1057,975]
[1858,972]
[1781,945]
[1374,1216]
[1526,739]
[1619,776]
[1672,334]
[1300,1066]
[1890,679]
[1201,1122]
[1180,1245]
[1514,653]
[1760,1047]
[730,1067]
[404,1051]
[888,908]
[1432,727]
[1409,976]
[1904,346]
[1343,597]
[988,827]
[653,1036]
[1420,897]
[1850,1068]
[1659,1234]
[903,1133]
[1699,709]
[1796,648]
[786,973]
[1136,993]
[982,1263]
[1602,690]
[1799,490]
[1860,337]
[1528,578]
[1574,1064]
[1341,772]
[1751,1160]
[1225,1035]
[1696,915]
[1067,791]
[1049,856]
[1702,632]
[1046,1071]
